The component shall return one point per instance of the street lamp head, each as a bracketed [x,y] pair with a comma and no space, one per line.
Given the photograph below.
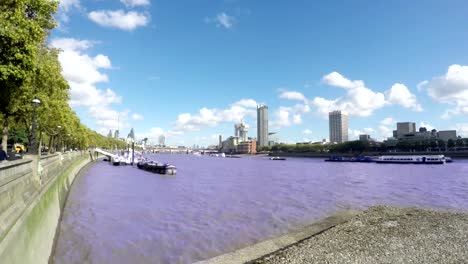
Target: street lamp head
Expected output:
[36,101]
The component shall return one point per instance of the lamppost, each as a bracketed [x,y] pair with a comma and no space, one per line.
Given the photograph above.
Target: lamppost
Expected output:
[33,148]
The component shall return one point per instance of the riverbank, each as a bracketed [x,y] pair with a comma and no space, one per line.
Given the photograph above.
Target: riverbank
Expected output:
[384,235]
[452,154]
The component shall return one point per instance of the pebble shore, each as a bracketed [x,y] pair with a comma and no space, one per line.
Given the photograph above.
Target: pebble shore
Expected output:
[384,234]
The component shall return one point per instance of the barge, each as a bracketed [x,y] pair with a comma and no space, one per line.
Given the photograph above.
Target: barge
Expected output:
[160,168]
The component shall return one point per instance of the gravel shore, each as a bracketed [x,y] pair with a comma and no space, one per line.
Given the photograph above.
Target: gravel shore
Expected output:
[384,234]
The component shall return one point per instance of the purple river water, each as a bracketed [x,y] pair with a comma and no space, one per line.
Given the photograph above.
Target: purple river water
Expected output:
[215,205]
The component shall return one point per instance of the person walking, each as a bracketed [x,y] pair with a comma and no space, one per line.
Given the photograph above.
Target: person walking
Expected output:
[3,155]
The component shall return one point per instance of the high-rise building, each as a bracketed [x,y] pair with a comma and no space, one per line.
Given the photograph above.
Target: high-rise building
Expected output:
[262,125]
[116,134]
[338,125]
[162,140]
[241,130]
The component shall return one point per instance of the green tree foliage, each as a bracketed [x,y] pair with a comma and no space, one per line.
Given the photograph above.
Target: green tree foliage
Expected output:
[29,68]
[450,143]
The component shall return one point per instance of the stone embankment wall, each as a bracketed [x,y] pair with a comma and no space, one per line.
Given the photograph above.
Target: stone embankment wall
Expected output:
[33,192]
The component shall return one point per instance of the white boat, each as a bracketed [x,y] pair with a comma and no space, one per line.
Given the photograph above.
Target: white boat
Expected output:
[413,159]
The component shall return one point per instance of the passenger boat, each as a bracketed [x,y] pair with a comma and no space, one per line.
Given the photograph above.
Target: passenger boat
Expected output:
[413,159]
[448,159]
[156,167]
[347,159]
[277,158]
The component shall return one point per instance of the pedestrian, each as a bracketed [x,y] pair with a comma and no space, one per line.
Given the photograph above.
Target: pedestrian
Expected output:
[3,155]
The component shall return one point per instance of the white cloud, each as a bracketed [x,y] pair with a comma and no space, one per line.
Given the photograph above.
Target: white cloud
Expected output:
[360,100]
[451,88]
[297,119]
[368,130]
[338,80]
[385,130]
[420,86]
[292,95]
[428,126]
[207,117]
[133,3]
[307,132]
[287,116]
[119,19]
[66,6]
[462,129]
[248,103]
[137,117]
[222,20]
[400,95]
[388,121]
[83,72]
[354,133]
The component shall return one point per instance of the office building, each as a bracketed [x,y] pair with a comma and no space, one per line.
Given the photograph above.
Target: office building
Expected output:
[262,125]
[338,125]
[447,134]
[405,128]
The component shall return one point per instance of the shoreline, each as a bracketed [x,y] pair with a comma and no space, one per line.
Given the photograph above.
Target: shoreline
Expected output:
[380,234]
[453,155]
[384,234]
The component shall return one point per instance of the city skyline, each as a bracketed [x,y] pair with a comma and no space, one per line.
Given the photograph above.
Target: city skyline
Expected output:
[136,64]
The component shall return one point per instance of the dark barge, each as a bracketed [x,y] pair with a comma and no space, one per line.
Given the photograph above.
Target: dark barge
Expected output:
[156,167]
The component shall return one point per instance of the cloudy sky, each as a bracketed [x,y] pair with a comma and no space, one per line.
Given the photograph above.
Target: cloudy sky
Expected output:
[191,69]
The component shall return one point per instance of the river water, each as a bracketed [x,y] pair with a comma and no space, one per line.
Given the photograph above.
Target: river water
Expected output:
[215,205]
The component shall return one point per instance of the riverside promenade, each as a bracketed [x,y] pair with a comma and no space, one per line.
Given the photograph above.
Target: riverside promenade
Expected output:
[384,234]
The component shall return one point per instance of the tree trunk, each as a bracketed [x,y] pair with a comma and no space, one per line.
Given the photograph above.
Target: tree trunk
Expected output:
[50,144]
[5,134]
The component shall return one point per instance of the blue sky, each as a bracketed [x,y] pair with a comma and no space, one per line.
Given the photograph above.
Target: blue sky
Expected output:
[191,69]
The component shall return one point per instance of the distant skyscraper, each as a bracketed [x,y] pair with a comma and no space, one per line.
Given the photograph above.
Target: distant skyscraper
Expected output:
[162,140]
[338,124]
[109,135]
[262,125]
[116,134]
[241,130]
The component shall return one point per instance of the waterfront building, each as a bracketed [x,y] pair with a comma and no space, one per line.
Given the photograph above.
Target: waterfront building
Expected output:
[447,134]
[262,125]
[241,130]
[338,125]
[405,128]
[220,143]
[247,147]
[273,139]
[364,137]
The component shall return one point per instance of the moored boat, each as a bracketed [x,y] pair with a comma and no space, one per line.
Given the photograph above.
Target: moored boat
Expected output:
[156,167]
[413,159]
[277,158]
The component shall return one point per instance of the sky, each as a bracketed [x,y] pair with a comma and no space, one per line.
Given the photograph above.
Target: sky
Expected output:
[192,69]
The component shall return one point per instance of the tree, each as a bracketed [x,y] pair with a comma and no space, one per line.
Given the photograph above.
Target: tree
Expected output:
[441,144]
[450,144]
[459,142]
[24,26]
